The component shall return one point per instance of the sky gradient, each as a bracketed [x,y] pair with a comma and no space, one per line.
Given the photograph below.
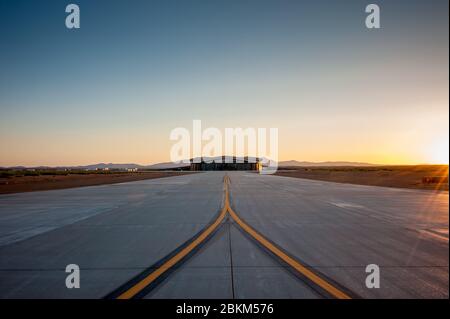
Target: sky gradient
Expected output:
[113,90]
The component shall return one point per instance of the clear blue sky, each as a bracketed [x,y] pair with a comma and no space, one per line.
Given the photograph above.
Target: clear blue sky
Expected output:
[112,90]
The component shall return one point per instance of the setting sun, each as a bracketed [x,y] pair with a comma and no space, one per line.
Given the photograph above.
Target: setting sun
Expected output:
[438,152]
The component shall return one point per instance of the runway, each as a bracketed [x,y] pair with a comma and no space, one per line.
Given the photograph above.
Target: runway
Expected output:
[116,232]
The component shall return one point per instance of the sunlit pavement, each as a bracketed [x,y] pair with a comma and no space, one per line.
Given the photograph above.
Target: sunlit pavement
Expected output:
[114,232]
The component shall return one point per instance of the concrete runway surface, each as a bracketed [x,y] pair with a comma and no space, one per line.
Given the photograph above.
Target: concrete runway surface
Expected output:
[115,232]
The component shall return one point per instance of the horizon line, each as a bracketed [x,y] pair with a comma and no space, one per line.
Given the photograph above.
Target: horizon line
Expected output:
[181,164]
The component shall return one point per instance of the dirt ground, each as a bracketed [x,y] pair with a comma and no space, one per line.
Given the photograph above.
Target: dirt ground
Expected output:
[389,176]
[18,184]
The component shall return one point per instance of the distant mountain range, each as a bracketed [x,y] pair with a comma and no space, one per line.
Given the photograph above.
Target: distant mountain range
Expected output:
[170,165]
[113,166]
[312,164]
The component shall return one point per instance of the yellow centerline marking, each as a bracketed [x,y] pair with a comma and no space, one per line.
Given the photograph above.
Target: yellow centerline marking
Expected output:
[134,290]
[130,293]
[286,258]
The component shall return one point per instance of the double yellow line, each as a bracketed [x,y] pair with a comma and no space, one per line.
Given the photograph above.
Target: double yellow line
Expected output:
[142,284]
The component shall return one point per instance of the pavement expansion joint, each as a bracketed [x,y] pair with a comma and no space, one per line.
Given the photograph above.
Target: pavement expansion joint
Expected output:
[151,277]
